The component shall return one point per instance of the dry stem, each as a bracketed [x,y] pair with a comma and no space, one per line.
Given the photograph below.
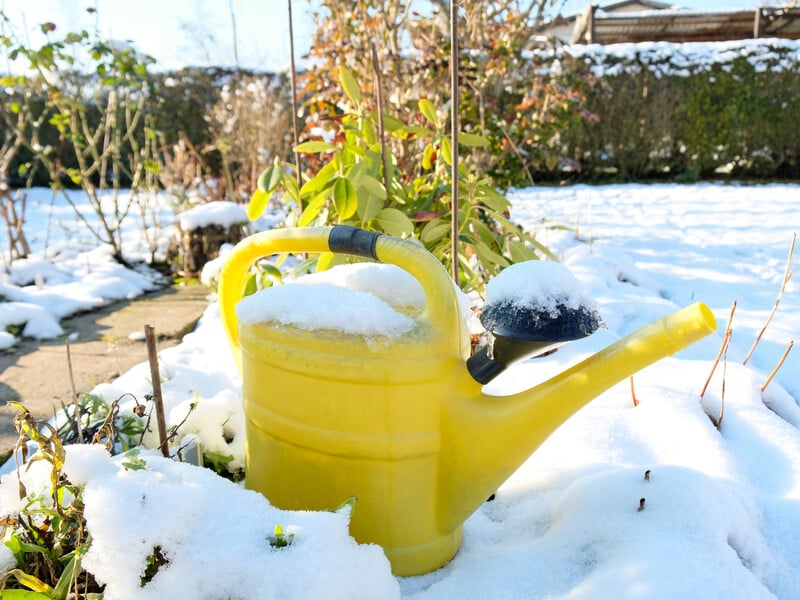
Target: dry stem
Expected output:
[778,366]
[77,405]
[633,394]
[724,372]
[723,348]
[787,275]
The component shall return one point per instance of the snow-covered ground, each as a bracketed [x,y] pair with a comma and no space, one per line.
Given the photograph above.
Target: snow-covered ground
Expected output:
[722,507]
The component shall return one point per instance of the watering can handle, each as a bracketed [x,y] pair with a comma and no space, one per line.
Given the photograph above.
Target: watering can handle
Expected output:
[441,311]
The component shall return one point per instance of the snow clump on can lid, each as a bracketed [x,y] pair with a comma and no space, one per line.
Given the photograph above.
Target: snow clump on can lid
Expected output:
[537,284]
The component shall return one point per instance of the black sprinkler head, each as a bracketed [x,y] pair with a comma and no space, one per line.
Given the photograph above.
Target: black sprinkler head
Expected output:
[517,332]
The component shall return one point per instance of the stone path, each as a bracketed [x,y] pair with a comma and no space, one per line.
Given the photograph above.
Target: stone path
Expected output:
[36,373]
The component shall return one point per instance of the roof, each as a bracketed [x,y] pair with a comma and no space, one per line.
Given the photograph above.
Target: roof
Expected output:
[599,26]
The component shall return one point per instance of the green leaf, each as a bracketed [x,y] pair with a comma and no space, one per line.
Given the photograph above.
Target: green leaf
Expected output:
[68,577]
[472,139]
[270,177]
[374,187]
[324,261]
[369,205]
[251,287]
[412,131]
[132,462]
[320,181]
[312,210]
[314,147]
[487,256]
[391,123]
[345,198]
[348,505]
[349,85]
[270,270]
[520,252]
[428,157]
[24,595]
[429,112]
[434,231]
[395,222]
[258,202]
[447,151]
[492,198]
[32,583]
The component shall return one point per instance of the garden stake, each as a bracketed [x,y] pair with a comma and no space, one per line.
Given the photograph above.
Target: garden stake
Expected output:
[152,357]
[381,129]
[298,175]
[454,95]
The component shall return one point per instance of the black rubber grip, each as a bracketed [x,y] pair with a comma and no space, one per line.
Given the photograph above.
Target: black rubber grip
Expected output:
[352,240]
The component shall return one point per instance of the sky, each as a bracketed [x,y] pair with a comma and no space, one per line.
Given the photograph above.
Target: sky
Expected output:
[199,32]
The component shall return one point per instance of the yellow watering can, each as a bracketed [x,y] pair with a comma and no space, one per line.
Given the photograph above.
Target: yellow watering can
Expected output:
[403,425]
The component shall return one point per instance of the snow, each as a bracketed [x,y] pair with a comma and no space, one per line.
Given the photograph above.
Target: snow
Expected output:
[324,306]
[538,285]
[366,299]
[682,60]
[721,506]
[222,212]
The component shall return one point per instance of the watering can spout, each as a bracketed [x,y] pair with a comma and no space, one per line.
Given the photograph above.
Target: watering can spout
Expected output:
[492,436]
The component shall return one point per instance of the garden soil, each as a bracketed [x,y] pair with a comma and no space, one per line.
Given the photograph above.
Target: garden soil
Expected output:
[36,373]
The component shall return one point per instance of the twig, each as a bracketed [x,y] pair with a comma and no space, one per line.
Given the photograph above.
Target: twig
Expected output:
[152,357]
[454,95]
[381,129]
[633,394]
[298,175]
[778,366]
[76,404]
[787,275]
[723,347]
[724,373]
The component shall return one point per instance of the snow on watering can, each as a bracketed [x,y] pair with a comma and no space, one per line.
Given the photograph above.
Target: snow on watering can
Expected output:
[401,422]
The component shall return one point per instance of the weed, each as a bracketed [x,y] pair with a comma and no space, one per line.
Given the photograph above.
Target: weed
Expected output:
[48,536]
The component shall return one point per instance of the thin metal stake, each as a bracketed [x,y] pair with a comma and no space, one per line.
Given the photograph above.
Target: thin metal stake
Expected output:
[454,95]
[298,175]
[158,400]
[381,130]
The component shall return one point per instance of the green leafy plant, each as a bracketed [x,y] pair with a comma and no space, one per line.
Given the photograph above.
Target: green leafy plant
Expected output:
[48,536]
[360,184]
[280,539]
